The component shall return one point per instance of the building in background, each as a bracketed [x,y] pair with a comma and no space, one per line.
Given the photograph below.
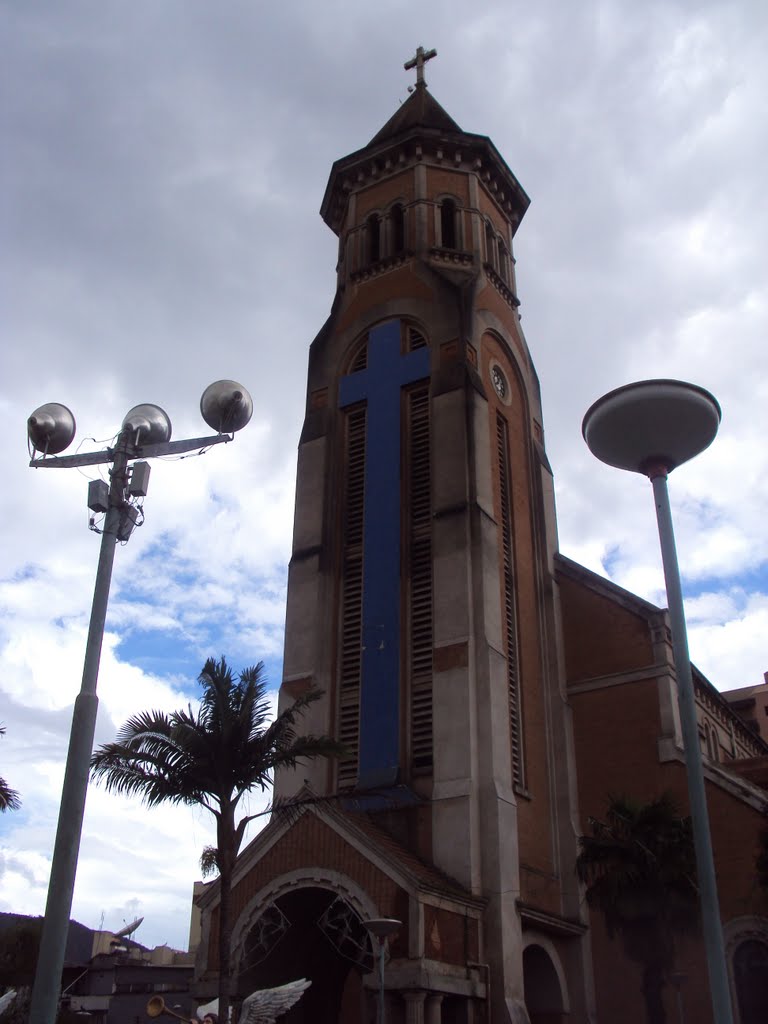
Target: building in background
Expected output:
[490,692]
[751,704]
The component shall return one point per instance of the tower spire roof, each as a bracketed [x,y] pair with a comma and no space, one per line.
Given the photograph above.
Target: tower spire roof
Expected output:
[420,110]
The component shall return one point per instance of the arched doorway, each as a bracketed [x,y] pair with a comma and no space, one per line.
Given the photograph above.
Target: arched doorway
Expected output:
[750,975]
[310,932]
[543,991]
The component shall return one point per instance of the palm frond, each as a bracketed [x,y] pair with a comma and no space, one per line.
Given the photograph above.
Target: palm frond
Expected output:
[9,798]
[209,861]
[638,866]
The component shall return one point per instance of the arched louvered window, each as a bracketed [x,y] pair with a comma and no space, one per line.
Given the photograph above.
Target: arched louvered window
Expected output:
[509,602]
[352,591]
[418,555]
[448,217]
[397,225]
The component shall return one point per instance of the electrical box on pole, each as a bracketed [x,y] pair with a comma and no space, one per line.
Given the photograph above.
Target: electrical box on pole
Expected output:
[137,486]
[98,496]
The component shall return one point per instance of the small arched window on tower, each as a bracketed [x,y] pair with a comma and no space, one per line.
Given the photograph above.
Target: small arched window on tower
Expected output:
[503,262]
[397,222]
[490,245]
[448,217]
[373,233]
[397,227]
[713,742]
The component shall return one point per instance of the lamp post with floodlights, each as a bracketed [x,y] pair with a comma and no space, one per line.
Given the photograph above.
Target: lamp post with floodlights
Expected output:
[145,433]
[652,427]
[381,928]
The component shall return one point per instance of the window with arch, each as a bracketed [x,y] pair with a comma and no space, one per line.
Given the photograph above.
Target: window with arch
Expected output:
[448,224]
[490,244]
[397,227]
[750,970]
[373,237]
[509,609]
[711,742]
[503,262]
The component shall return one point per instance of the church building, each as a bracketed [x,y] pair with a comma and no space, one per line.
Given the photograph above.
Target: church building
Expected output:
[478,680]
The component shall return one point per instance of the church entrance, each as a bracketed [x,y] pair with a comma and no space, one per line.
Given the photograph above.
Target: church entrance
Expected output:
[311,932]
[543,993]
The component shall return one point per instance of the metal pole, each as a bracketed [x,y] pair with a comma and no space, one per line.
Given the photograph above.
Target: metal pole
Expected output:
[45,991]
[710,912]
[381,981]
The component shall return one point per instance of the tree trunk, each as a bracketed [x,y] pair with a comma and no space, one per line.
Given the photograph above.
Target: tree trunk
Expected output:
[225,830]
[653,988]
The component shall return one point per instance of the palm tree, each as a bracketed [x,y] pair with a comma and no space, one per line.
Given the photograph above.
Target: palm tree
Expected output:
[211,758]
[9,798]
[640,872]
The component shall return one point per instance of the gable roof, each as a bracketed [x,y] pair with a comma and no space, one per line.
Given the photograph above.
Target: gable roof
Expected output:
[403,866]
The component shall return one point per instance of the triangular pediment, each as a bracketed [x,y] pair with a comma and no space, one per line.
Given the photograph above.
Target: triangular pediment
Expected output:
[328,837]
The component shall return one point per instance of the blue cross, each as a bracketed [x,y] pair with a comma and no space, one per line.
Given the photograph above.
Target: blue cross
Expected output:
[388,371]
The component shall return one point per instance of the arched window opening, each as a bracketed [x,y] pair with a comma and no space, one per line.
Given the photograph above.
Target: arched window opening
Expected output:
[509,610]
[397,221]
[448,224]
[750,969]
[545,999]
[490,245]
[373,225]
[503,262]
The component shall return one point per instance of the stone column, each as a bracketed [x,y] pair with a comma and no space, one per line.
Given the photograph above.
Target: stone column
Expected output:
[434,1011]
[414,1007]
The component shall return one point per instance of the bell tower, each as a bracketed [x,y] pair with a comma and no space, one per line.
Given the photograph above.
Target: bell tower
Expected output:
[421,592]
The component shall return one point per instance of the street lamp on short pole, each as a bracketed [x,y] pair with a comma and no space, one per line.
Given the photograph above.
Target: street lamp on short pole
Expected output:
[652,427]
[381,928]
[145,433]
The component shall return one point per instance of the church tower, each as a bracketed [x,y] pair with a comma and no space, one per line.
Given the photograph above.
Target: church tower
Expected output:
[422,602]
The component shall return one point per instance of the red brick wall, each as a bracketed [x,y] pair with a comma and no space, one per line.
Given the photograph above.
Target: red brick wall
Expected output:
[401,283]
[600,635]
[380,195]
[616,731]
[451,938]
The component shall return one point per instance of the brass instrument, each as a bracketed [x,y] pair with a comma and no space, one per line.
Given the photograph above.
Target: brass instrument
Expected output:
[156,1006]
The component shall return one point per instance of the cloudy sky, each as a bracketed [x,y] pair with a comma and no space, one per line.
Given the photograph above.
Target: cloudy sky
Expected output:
[163,163]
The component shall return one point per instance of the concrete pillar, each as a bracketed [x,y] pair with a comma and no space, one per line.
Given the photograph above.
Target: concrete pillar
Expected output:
[414,1007]
[433,1011]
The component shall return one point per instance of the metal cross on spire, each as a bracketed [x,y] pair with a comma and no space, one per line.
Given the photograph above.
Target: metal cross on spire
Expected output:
[418,62]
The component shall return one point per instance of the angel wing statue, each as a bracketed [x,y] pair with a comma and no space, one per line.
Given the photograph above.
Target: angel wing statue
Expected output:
[7,999]
[266,1004]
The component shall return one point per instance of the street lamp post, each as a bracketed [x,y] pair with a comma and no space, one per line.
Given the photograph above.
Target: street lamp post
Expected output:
[381,928]
[145,433]
[652,427]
